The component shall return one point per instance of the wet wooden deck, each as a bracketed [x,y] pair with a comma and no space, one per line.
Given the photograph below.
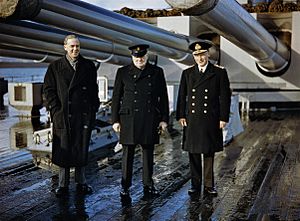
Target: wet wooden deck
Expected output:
[257,176]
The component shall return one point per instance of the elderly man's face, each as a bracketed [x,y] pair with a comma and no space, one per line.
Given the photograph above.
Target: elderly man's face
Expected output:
[140,62]
[201,59]
[72,48]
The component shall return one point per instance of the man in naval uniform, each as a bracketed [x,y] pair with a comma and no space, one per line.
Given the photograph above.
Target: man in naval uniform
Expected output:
[203,107]
[71,92]
[140,109]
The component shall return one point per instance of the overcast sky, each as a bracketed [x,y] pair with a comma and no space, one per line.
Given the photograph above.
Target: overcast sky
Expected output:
[135,4]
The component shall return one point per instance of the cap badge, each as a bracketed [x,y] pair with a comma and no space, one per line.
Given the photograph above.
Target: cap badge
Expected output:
[197,47]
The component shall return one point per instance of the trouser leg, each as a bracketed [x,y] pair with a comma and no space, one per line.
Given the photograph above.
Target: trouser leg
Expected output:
[1,102]
[127,165]
[209,170]
[148,164]
[63,176]
[80,175]
[196,170]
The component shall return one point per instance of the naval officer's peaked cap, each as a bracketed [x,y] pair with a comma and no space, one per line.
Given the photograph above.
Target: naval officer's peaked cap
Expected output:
[138,50]
[199,47]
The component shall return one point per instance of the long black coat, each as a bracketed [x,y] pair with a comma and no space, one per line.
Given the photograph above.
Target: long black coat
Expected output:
[139,103]
[72,108]
[204,100]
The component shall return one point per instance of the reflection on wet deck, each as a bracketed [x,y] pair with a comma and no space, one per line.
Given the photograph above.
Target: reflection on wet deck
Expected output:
[16,133]
[257,177]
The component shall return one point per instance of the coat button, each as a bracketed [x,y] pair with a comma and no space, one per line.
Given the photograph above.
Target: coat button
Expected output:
[149,84]
[193,90]
[205,111]
[205,104]
[193,104]
[85,127]
[206,90]
[205,97]
[149,75]
[84,88]
[135,92]
[193,97]
[149,101]
[134,101]
[136,109]
[134,76]
[193,111]
[149,111]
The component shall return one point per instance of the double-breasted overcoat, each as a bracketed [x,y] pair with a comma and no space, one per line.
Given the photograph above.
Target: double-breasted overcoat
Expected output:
[139,103]
[72,106]
[204,100]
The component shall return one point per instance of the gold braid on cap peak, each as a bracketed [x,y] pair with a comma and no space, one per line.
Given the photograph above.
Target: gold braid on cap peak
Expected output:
[138,48]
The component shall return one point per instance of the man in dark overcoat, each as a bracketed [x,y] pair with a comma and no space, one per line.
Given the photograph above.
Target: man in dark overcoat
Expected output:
[140,108]
[71,92]
[203,107]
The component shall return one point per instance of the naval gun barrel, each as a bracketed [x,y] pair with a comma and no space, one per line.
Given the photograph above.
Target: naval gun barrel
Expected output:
[42,46]
[95,22]
[32,30]
[37,57]
[230,20]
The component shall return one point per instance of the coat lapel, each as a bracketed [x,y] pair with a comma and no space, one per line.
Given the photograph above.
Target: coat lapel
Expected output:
[79,73]
[201,78]
[138,74]
[196,76]
[134,72]
[145,72]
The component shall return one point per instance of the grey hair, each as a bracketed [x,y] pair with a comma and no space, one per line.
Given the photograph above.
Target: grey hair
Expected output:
[69,37]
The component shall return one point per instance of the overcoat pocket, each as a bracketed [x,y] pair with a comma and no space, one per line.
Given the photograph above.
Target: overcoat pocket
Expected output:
[124,111]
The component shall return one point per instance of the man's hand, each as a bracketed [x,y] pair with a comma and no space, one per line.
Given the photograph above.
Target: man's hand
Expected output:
[116,127]
[222,124]
[182,122]
[163,125]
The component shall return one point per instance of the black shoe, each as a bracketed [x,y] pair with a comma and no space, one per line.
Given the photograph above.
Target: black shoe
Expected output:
[124,192]
[193,191]
[150,191]
[61,191]
[84,189]
[210,190]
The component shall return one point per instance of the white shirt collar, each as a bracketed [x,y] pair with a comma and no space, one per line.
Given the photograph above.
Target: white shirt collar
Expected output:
[202,68]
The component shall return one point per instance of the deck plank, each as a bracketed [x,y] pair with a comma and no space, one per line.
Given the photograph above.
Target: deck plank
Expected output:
[25,193]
